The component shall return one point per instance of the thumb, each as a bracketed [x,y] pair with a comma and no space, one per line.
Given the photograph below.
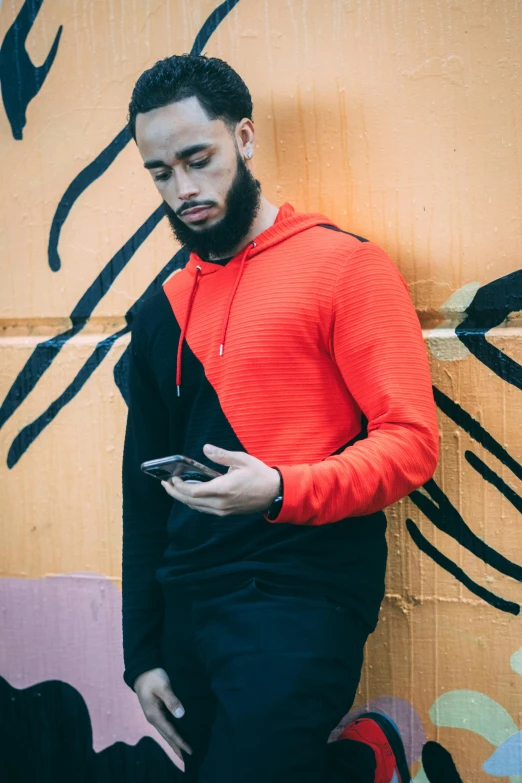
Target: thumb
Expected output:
[171,702]
[233,459]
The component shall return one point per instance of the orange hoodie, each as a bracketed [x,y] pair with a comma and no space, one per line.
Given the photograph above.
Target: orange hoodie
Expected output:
[300,334]
[305,351]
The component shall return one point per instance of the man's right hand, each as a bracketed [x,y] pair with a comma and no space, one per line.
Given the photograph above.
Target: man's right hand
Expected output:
[158,702]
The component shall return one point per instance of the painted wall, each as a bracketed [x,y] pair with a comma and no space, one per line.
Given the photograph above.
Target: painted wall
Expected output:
[402,120]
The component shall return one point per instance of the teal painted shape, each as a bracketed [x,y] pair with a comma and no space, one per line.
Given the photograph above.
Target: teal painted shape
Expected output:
[420,777]
[507,759]
[516,662]
[475,712]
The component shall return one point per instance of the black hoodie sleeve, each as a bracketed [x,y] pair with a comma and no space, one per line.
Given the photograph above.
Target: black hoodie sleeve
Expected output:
[146,507]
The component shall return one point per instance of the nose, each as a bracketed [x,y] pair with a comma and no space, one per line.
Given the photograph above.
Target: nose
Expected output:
[187,188]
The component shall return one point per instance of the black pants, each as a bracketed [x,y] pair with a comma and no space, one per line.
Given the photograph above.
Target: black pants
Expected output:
[265,674]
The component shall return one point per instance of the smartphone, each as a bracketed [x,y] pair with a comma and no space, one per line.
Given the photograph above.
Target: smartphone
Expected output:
[187,469]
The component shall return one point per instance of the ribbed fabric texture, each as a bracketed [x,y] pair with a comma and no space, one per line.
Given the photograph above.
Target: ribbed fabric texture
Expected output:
[376,342]
[321,328]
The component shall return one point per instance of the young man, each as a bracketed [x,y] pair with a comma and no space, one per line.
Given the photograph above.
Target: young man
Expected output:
[287,353]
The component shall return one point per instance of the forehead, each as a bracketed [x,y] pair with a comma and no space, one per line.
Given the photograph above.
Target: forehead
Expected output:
[171,128]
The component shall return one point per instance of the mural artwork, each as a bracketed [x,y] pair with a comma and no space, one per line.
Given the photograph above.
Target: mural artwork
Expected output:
[85,243]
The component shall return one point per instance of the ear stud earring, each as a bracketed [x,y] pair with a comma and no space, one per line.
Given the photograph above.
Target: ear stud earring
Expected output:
[249,154]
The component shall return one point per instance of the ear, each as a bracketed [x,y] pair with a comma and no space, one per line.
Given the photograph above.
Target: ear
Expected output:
[245,138]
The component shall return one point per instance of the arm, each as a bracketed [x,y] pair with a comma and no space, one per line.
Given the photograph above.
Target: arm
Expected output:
[377,343]
[146,509]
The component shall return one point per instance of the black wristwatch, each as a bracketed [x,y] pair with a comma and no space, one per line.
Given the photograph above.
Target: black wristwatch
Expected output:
[276,504]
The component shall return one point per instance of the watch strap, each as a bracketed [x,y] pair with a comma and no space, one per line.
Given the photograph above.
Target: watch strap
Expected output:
[277,503]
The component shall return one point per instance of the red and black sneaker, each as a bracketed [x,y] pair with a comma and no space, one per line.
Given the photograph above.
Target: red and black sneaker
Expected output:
[381,733]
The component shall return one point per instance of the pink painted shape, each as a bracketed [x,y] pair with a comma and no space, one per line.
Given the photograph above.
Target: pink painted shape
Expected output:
[68,628]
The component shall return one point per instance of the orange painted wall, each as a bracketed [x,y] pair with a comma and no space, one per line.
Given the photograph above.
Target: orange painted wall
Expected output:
[402,121]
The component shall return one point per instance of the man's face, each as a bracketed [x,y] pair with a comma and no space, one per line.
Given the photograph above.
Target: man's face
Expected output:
[210,196]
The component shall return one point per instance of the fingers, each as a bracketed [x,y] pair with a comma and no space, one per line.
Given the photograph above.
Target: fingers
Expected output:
[161,722]
[235,459]
[204,489]
[155,712]
[172,744]
[212,504]
[158,702]
[247,486]
[205,493]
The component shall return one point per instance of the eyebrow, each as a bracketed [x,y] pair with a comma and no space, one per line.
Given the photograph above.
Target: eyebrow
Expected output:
[186,152]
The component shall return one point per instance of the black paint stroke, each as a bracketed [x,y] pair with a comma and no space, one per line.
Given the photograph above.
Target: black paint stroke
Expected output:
[449,566]
[490,307]
[80,183]
[476,430]
[46,735]
[45,352]
[102,284]
[438,764]
[493,478]
[101,163]
[30,432]
[445,517]
[20,80]
[211,24]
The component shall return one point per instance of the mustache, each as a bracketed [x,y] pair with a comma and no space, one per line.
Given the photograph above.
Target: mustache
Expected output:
[191,204]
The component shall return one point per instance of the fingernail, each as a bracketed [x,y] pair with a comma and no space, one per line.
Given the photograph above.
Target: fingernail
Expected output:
[211,449]
[179,712]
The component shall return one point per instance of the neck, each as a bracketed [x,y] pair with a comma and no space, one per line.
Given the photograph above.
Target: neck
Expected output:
[265,218]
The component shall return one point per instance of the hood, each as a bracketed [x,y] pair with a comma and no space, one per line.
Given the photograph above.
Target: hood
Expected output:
[287,223]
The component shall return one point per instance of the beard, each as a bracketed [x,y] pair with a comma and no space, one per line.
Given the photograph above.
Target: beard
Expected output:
[241,207]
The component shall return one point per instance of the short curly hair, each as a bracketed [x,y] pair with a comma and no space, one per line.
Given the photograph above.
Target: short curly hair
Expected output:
[220,90]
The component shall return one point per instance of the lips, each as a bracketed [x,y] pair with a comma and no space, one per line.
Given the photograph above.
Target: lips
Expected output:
[195,214]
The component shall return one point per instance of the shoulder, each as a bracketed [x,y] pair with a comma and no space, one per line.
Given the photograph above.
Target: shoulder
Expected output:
[372,266]
[356,255]
[330,238]
[337,245]
[148,308]
[347,237]
[366,259]
[150,313]
[153,308]
[368,274]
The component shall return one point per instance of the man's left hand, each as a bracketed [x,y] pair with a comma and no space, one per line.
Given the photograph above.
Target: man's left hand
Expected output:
[249,486]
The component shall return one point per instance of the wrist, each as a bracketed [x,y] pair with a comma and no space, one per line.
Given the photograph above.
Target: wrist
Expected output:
[277,500]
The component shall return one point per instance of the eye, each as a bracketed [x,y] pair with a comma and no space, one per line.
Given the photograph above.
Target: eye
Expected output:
[199,164]
[162,177]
